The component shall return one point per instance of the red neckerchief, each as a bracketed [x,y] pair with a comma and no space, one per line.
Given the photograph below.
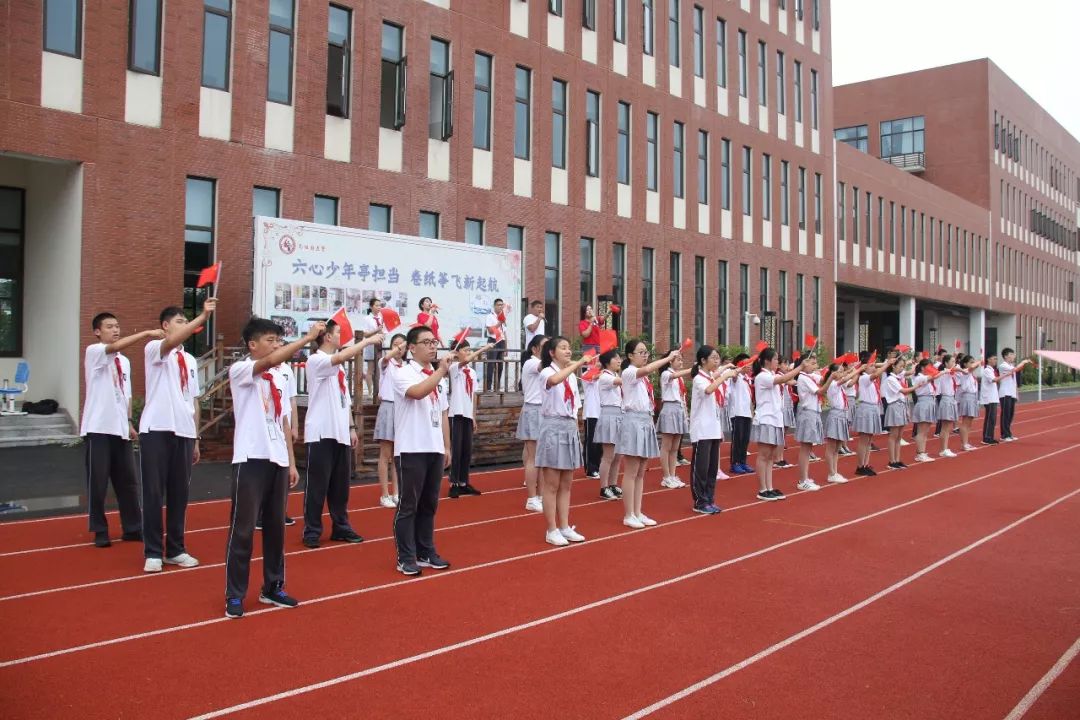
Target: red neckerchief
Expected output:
[341,382]
[275,393]
[996,372]
[468,381]
[682,387]
[751,389]
[182,364]
[648,388]
[434,393]
[119,373]
[568,393]
[844,395]
[720,394]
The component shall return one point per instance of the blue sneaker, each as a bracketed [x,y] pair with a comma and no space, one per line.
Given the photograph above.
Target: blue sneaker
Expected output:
[713,509]
[747,470]
[234,608]
[277,597]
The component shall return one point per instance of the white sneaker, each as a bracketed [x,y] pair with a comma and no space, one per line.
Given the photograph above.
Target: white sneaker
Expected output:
[808,485]
[554,537]
[632,522]
[152,565]
[924,458]
[678,483]
[668,483]
[1008,439]
[534,504]
[969,448]
[571,534]
[387,502]
[947,454]
[646,520]
[721,475]
[837,479]
[396,499]
[183,560]
[904,443]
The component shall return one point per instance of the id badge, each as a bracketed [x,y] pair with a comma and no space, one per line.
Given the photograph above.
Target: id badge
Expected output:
[272,430]
[436,417]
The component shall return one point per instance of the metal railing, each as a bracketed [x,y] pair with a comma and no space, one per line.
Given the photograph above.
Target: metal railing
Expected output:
[910,162]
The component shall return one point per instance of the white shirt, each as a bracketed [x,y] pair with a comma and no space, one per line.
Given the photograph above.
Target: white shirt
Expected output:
[610,393]
[529,320]
[386,380]
[767,394]
[739,402]
[108,392]
[635,395]
[669,388]
[369,324]
[532,386]
[838,396]
[591,402]
[808,387]
[555,403]
[169,403]
[704,412]
[968,382]
[868,391]
[492,321]
[891,389]
[1007,386]
[259,433]
[988,389]
[461,400]
[946,383]
[329,406]
[417,423]
[285,379]
[923,386]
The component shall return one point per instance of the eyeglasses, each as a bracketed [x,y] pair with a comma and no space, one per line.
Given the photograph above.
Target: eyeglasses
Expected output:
[430,342]
[642,352]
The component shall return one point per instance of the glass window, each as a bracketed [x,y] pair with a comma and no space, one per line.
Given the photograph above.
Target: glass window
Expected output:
[785,193]
[841,218]
[699,42]
[721,52]
[802,198]
[880,223]
[558,124]
[743,81]
[799,294]
[675,300]
[722,303]
[429,224]
[648,27]
[678,168]
[623,148]
[588,14]
[762,75]
[744,303]
[12,248]
[782,295]
[474,231]
[651,157]
[763,290]
[618,274]
[766,187]
[703,167]
[855,136]
[522,110]
[265,202]
[392,89]
[199,232]
[814,99]
[815,310]
[440,92]
[747,198]
[798,91]
[585,272]
[854,215]
[725,173]
[217,19]
[551,283]
[592,133]
[380,217]
[144,37]
[647,292]
[620,20]
[326,210]
[338,61]
[280,54]
[902,137]
[482,101]
[63,27]
[781,82]
[817,203]
[673,32]
[866,219]
[699,300]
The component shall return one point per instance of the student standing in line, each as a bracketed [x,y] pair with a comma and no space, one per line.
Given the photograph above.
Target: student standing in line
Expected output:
[706,427]
[384,422]
[370,324]
[637,436]
[725,411]
[989,397]
[867,421]
[768,428]
[107,427]
[925,411]
[495,324]
[462,418]
[534,322]
[528,428]
[168,437]
[609,386]
[330,436]
[673,422]
[558,449]
[421,449]
[837,422]
[968,400]
[893,392]
[265,466]
[1007,370]
[285,377]
[851,392]
[947,384]
[741,410]
[787,397]
[590,406]
[809,429]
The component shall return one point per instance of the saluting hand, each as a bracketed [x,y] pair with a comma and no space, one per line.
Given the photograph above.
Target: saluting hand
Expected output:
[158,334]
[316,330]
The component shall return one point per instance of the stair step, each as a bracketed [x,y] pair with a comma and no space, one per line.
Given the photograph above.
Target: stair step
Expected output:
[39,439]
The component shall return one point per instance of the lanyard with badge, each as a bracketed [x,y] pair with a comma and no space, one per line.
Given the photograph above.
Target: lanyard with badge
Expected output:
[436,415]
[273,426]
[118,389]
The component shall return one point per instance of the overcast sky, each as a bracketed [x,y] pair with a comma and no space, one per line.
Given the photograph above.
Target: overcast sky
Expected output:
[1034,41]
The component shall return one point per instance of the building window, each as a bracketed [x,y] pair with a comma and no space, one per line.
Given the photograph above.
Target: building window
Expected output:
[326,210]
[338,61]
[673,32]
[854,215]
[623,145]
[814,99]
[619,21]
[199,234]
[144,37]
[763,290]
[647,292]
[800,288]
[815,309]
[725,173]
[880,223]
[744,303]
[785,194]
[265,202]
[699,300]
[747,199]
[892,226]
[817,203]
[798,90]
[703,167]
[618,274]
[652,122]
[586,272]
[841,218]
[440,92]
[802,198]
[743,81]
[380,217]
[781,81]
[592,133]
[677,160]
[766,187]
[816,8]
[558,124]
[522,111]
[855,136]
[12,247]
[762,74]
[429,224]
[474,231]
[551,283]
[555,7]
[482,101]
[280,59]
[901,137]
[392,96]
[588,14]
[217,21]
[675,299]
[722,303]
[782,293]
[866,219]
[648,27]
[699,42]
[63,26]
[721,52]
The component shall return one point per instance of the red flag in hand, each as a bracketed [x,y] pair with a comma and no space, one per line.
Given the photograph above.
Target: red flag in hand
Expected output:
[925,355]
[609,340]
[761,346]
[687,344]
[931,371]
[209,275]
[391,320]
[615,309]
[592,373]
[796,356]
[958,345]
[873,357]
[342,321]
[903,348]
[809,341]
[502,316]
[460,337]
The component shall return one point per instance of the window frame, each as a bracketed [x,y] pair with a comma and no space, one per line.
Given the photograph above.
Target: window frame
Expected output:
[78,53]
[781,80]
[674,25]
[703,166]
[592,133]
[400,79]
[698,48]
[747,181]
[559,110]
[675,298]
[132,23]
[290,33]
[337,208]
[389,216]
[721,52]
[725,174]
[525,101]
[623,144]
[648,28]
[420,223]
[475,223]
[785,193]
[763,74]
[699,300]
[678,160]
[744,78]
[446,122]
[552,304]
[486,107]
[648,294]
[652,151]
[346,70]
[19,276]
[722,302]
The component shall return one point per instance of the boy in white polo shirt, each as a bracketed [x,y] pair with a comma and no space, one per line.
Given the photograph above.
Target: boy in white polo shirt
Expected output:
[462,408]
[989,398]
[264,463]
[106,425]
[421,449]
[168,437]
[330,436]
[1007,371]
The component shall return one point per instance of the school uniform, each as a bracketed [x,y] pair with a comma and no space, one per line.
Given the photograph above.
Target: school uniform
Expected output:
[967,402]
[851,394]
[559,444]
[925,404]
[329,449]
[741,410]
[789,407]
[892,394]
[419,451]
[529,334]
[1007,396]
[706,434]
[167,436]
[768,425]
[610,396]
[867,415]
[725,411]
[947,386]
[808,425]
[837,425]
[109,452]
[462,390]
[989,399]
[637,435]
[673,419]
[590,405]
[260,481]
[384,419]
[528,427]
[368,325]
[497,339]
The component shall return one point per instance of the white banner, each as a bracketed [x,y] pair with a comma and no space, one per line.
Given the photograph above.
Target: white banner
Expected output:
[304,272]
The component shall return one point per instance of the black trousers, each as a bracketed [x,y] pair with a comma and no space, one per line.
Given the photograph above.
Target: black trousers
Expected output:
[256,485]
[703,472]
[494,369]
[461,439]
[419,477]
[591,452]
[166,474]
[740,440]
[1008,410]
[329,466]
[111,457]
[991,421]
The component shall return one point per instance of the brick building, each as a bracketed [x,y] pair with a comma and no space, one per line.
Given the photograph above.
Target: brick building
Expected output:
[683,149]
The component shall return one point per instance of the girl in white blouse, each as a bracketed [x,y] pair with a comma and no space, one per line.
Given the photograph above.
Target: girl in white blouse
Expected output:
[673,421]
[528,430]
[768,426]
[606,435]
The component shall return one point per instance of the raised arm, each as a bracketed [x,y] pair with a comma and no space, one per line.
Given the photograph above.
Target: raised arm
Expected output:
[284,353]
[126,342]
[180,335]
[786,377]
[427,386]
[719,379]
[355,349]
[656,364]
[469,357]
[566,372]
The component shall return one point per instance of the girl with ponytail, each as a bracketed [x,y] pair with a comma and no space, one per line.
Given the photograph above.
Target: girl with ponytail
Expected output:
[706,427]
[768,425]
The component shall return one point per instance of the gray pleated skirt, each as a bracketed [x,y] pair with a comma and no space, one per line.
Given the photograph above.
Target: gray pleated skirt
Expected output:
[967,405]
[673,420]
[559,445]
[789,409]
[607,427]
[925,410]
[529,422]
[947,409]
[867,419]
[896,414]
[384,421]
[637,436]
[851,405]
[837,426]
[808,428]
[767,434]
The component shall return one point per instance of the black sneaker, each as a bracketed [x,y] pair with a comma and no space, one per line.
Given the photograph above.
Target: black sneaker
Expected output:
[991,442]
[131,537]
[895,465]
[777,495]
[277,597]
[901,466]
[468,489]
[456,490]
[101,540]
[766,495]
[607,493]
[289,520]
[258,524]
[617,490]
[311,543]
[870,472]
[408,568]
[348,536]
[234,608]
[434,562]
[861,471]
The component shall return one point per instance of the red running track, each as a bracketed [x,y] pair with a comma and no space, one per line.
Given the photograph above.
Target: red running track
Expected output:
[606,628]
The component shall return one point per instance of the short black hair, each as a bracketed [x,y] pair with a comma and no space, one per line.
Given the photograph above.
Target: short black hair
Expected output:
[330,325]
[100,318]
[169,313]
[371,302]
[414,333]
[534,303]
[257,327]
[497,300]
[1007,351]
[421,303]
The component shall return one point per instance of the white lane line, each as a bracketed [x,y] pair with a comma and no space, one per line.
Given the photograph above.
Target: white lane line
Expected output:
[1044,682]
[656,586]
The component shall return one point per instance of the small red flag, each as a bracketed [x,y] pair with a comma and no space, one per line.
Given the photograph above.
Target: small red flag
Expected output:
[687,344]
[615,309]
[341,319]
[609,340]
[209,275]
[460,337]
[958,345]
[931,371]
[796,356]
[809,341]
[592,373]
[590,353]
[391,320]
[925,355]
[873,357]
[502,316]
[762,344]
[744,363]
[903,348]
